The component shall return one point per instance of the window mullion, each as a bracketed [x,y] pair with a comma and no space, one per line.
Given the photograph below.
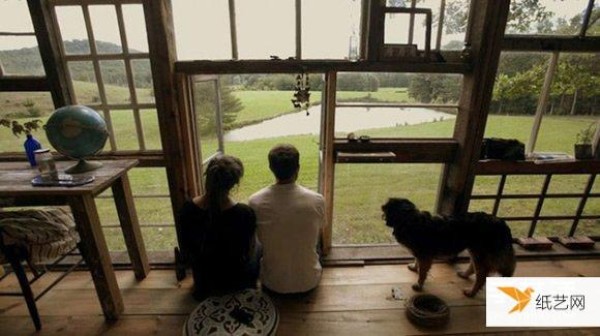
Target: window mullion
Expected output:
[98,73]
[542,102]
[130,83]
[298,29]
[438,42]
[233,30]
[586,18]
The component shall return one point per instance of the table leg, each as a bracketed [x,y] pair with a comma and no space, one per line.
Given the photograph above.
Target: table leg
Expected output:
[95,252]
[131,227]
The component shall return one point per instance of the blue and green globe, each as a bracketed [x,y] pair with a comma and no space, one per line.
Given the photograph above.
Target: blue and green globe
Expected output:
[77,131]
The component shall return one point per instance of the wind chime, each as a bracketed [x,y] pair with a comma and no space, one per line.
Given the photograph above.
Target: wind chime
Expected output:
[302,92]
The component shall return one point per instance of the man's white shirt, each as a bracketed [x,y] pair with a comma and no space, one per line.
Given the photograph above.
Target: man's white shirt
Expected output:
[289,220]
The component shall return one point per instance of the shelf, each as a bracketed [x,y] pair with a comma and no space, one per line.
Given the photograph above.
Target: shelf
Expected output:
[395,151]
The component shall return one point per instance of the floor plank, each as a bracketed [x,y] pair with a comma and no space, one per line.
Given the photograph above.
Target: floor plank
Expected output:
[349,301]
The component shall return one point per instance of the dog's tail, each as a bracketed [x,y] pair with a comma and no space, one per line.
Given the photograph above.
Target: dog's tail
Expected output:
[508,263]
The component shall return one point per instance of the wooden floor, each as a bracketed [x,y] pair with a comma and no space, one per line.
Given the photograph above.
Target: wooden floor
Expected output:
[349,301]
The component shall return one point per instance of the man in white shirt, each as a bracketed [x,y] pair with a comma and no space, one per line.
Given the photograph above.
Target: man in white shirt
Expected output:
[289,220]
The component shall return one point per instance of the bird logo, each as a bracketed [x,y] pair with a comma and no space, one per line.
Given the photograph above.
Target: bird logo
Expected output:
[522,297]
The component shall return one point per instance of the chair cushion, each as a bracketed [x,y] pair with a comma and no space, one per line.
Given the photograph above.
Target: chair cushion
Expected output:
[45,234]
[247,312]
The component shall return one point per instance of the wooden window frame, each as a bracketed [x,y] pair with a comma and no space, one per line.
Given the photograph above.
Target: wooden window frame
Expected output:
[95,58]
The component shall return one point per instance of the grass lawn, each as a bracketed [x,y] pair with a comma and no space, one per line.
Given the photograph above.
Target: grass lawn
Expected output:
[359,189]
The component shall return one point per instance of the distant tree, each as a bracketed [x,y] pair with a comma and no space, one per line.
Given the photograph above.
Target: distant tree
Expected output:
[523,15]
[205,107]
[427,88]
[501,90]
[357,82]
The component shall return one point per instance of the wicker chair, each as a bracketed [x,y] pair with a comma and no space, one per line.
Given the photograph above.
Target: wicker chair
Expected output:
[35,236]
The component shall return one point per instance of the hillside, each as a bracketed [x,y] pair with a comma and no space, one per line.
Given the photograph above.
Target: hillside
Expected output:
[27,61]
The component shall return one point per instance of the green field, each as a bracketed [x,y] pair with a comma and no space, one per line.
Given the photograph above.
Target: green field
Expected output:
[359,189]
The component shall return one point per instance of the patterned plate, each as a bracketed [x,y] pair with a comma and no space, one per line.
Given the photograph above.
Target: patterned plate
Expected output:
[247,312]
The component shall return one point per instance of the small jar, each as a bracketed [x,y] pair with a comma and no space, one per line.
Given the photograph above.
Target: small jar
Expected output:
[46,165]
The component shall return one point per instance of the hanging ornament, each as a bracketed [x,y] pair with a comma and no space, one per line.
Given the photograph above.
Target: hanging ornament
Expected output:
[302,92]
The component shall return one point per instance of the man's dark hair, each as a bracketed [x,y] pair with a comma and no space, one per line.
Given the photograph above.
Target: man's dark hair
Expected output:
[284,161]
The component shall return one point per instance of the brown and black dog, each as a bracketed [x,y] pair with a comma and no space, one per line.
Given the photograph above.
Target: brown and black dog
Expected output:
[487,238]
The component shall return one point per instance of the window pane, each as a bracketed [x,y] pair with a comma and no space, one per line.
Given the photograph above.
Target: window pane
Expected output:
[14,17]
[266,28]
[361,189]
[115,82]
[397,26]
[573,104]
[253,154]
[20,56]
[550,17]
[106,29]
[205,108]
[151,129]
[142,77]
[265,107]
[327,36]
[516,94]
[83,78]
[356,91]
[135,27]
[202,29]
[594,26]
[456,15]
[124,129]
[72,29]
[23,107]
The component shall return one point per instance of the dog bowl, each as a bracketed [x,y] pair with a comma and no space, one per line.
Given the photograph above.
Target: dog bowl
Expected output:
[427,310]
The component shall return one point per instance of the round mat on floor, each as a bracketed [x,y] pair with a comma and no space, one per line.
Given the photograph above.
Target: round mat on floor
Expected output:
[247,312]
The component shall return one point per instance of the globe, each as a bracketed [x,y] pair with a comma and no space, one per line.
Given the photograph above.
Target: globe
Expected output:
[77,131]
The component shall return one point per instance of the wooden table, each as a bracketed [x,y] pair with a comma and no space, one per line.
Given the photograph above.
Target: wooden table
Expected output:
[16,190]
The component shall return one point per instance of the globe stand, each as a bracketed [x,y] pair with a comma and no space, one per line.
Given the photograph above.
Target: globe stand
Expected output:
[83,166]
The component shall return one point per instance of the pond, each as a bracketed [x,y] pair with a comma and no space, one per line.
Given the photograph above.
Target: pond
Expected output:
[348,119]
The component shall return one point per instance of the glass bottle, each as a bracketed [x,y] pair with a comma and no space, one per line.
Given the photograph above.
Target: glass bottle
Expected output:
[46,165]
[31,145]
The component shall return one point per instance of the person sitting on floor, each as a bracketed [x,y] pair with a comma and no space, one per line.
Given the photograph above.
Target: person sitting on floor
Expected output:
[218,233]
[289,222]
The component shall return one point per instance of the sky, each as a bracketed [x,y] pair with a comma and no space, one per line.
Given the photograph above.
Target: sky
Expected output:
[264,27]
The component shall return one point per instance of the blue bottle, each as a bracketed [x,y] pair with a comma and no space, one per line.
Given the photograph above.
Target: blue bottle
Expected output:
[31,145]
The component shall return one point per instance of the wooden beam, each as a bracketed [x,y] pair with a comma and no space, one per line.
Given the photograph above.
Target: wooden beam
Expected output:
[23,84]
[375,30]
[49,46]
[159,24]
[487,29]
[193,155]
[551,43]
[95,252]
[322,66]
[327,177]
[154,158]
